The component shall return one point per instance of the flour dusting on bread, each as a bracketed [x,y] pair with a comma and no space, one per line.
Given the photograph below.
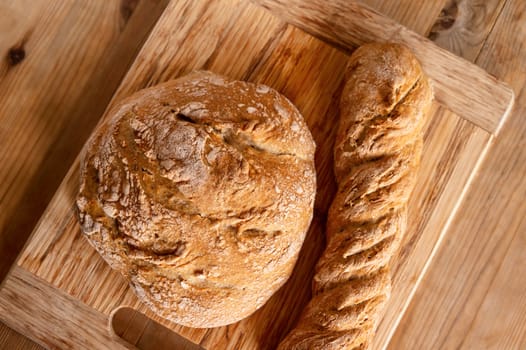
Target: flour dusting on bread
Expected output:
[200,191]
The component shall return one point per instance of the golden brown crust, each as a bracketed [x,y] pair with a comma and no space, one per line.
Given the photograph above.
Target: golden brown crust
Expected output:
[200,191]
[376,155]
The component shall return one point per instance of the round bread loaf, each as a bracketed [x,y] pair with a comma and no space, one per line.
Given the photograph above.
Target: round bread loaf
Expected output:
[200,191]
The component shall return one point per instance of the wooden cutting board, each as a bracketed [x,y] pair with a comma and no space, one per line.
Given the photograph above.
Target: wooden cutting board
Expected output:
[62,294]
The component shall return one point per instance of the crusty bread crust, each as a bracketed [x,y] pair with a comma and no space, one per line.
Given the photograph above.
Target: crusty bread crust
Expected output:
[200,192]
[377,151]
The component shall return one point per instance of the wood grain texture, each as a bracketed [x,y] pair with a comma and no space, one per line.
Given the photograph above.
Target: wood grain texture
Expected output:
[464,25]
[500,320]
[464,88]
[210,34]
[55,81]
[473,295]
[24,295]
[136,328]
[417,16]
[10,339]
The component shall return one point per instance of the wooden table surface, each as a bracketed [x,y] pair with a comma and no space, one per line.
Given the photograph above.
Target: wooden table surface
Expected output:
[52,94]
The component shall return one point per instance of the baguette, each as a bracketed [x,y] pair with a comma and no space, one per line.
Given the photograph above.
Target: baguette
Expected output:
[377,151]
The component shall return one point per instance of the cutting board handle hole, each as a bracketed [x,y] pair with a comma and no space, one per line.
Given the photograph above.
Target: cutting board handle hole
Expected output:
[139,331]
